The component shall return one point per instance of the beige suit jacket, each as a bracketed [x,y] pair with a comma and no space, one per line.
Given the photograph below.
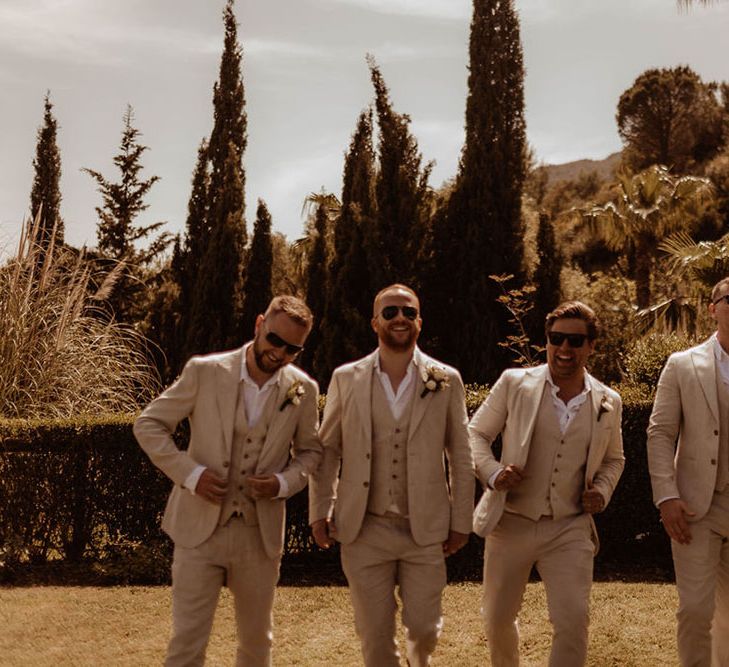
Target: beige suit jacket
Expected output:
[207,393]
[511,410]
[683,431]
[437,502]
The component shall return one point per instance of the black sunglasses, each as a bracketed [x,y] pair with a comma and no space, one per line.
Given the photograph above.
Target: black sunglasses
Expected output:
[388,312]
[724,298]
[276,340]
[556,338]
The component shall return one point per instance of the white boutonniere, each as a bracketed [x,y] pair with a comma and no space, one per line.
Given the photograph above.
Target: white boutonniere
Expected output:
[435,379]
[294,394]
[606,405]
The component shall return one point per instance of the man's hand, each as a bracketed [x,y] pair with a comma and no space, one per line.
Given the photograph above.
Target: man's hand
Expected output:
[674,516]
[454,542]
[592,501]
[323,532]
[508,478]
[262,486]
[210,487]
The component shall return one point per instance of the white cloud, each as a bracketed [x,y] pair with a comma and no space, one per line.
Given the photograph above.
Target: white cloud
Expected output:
[440,9]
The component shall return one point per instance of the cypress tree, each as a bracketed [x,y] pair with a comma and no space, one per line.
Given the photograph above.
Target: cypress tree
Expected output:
[316,285]
[216,306]
[346,331]
[479,232]
[401,193]
[257,291]
[45,195]
[116,232]
[546,278]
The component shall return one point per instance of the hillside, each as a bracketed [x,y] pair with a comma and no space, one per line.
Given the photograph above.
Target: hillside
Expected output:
[571,170]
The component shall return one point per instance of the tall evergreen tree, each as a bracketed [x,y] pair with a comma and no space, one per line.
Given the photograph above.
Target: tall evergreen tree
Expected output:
[45,195]
[216,306]
[546,279]
[116,231]
[479,232]
[257,290]
[345,329]
[316,285]
[401,192]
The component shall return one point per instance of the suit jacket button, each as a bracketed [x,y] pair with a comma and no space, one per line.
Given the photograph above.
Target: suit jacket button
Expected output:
[367,455]
[365,483]
[226,464]
[716,432]
[713,462]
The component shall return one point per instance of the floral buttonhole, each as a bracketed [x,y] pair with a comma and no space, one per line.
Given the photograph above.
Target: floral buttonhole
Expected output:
[294,394]
[605,406]
[435,379]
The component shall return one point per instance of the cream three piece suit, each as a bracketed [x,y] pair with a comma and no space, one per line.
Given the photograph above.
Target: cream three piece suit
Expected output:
[688,451]
[240,542]
[540,522]
[383,482]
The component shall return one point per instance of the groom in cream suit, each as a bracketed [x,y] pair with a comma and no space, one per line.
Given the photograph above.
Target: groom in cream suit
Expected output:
[688,458]
[561,457]
[391,420]
[253,443]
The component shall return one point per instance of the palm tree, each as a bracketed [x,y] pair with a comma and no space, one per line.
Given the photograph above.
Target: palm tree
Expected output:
[651,205]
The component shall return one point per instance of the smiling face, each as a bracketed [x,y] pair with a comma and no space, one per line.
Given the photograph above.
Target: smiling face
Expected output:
[566,362]
[399,333]
[269,358]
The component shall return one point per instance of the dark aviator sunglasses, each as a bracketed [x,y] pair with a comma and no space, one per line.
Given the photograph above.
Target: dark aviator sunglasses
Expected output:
[556,338]
[276,340]
[409,312]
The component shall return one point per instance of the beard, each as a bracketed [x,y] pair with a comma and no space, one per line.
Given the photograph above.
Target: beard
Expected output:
[262,361]
[398,344]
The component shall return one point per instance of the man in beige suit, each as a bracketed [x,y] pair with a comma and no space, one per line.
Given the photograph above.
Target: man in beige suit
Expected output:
[562,455]
[253,443]
[688,458]
[390,421]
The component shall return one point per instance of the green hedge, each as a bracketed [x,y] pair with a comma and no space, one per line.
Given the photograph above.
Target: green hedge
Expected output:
[80,497]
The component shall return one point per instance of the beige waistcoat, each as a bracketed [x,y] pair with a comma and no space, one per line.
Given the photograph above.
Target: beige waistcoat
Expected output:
[389,479]
[555,469]
[246,450]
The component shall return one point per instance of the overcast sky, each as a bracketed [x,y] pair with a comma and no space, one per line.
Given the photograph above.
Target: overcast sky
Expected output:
[306,81]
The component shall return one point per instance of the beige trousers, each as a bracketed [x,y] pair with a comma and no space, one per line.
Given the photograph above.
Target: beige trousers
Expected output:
[702,580]
[385,556]
[232,556]
[563,553]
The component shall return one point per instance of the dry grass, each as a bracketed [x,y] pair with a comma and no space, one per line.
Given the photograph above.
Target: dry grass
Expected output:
[59,354]
[632,625]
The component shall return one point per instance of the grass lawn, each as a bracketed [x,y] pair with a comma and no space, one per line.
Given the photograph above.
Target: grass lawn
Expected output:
[632,624]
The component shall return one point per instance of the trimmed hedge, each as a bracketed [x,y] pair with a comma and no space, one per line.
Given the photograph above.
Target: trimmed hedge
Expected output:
[80,498]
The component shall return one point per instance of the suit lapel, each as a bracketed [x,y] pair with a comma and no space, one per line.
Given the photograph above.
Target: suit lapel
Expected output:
[598,397]
[705,368]
[227,380]
[531,390]
[278,416]
[362,392]
[421,403]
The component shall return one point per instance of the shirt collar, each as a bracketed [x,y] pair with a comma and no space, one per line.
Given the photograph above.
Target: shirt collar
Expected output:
[586,388]
[245,376]
[414,361]
[719,353]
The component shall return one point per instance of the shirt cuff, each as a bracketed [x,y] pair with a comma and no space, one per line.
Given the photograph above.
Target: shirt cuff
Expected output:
[663,500]
[492,479]
[283,489]
[193,478]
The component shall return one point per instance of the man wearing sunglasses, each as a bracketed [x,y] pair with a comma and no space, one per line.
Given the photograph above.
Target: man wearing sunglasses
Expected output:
[253,442]
[688,459]
[390,422]
[561,458]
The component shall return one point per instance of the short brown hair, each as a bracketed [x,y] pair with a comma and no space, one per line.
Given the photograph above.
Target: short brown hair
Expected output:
[715,289]
[394,286]
[293,307]
[574,310]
